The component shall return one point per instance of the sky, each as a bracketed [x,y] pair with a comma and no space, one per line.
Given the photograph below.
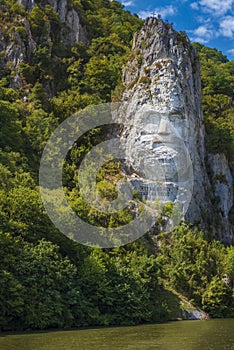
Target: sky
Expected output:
[209,22]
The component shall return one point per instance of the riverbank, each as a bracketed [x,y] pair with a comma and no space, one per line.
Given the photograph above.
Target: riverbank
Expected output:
[180,309]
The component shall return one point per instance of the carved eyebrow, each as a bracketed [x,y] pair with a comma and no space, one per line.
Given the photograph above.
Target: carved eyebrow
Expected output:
[154,116]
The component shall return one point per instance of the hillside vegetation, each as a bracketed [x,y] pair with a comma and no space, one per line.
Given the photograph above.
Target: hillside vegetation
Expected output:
[217,76]
[46,279]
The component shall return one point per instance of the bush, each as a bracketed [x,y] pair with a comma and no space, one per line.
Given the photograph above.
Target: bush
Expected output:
[216,300]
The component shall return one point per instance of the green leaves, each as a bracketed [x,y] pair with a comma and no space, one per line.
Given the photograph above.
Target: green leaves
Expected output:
[35,285]
[38,128]
[218,93]
[9,129]
[47,280]
[123,286]
[195,267]
[217,298]
[38,23]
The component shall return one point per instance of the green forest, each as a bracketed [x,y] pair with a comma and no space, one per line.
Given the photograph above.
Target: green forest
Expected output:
[48,280]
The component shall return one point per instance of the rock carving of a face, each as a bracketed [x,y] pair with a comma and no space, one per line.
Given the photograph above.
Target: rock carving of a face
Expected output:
[158,159]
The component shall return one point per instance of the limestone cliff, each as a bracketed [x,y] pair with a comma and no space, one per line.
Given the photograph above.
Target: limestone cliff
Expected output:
[161,107]
[163,92]
[20,44]
[73,31]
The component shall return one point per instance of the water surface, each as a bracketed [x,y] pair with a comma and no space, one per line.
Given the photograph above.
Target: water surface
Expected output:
[183,335]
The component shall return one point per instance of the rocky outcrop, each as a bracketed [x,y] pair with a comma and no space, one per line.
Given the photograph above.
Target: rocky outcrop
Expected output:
[19,50]
[194,315]
[16,50]
[27,4]
[222,188]
[73,31]
[162,117]
[20,46]
[223,182]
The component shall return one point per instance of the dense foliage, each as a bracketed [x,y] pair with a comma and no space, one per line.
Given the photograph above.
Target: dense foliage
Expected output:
[47,280]
[40,288]
[217,76]
[199,270]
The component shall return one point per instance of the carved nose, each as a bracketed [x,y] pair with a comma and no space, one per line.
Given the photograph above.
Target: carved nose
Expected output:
[164,127]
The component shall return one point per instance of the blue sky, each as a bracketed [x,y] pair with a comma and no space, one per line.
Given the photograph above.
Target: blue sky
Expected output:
[210,22]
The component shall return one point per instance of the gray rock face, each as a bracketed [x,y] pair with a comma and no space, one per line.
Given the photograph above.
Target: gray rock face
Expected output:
[162,117]
[27,4]
[18,49]
[73,31]
[223,182]
[195,315]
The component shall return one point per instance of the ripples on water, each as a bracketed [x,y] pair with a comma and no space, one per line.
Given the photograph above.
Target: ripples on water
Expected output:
[183,335]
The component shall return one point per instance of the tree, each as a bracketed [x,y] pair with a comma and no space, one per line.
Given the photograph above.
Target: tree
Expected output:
[218,93]
[217,297]
[9,130]
[38,286]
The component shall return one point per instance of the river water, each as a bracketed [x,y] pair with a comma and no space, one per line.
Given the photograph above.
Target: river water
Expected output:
[182,335]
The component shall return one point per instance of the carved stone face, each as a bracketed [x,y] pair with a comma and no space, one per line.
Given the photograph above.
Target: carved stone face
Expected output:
[157,155]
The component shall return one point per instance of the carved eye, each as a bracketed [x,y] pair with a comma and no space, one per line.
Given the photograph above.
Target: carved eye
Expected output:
[153,119]
[176,117]
[150,128]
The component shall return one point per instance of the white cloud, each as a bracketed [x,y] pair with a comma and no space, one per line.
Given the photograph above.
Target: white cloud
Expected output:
[163,11]
[217,5]
[206,32]
[203,20]
[227,26]
[203,34]
[220,22]
[214,7]
[128,3]
[231,52]
[194,6]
